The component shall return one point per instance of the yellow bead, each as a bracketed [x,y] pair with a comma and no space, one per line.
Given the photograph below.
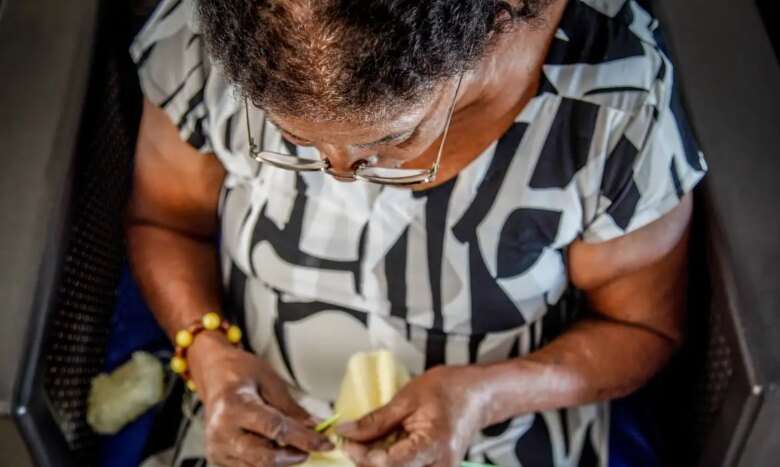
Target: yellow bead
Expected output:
[191,385]
[178,365]
[211,321]
[183,338]
[234,334]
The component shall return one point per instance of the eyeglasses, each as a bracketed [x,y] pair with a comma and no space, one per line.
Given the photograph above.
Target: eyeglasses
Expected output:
[362,171]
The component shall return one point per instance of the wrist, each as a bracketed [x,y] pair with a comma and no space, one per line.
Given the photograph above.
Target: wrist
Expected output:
[209,350]
[511,388]
[208,345]
[185,340]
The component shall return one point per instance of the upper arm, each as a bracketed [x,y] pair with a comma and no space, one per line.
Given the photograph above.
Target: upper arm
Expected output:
[174,185]
[640,278]
[177,179]
[631,258]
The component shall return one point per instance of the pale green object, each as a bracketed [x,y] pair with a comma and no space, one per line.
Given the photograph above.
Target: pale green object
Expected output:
[120,397]
[325,425]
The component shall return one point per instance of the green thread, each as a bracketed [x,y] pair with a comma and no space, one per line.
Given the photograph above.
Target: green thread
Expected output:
[326,424]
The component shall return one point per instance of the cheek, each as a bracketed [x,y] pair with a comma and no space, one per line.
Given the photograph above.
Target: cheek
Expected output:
[423,142]
[394,157]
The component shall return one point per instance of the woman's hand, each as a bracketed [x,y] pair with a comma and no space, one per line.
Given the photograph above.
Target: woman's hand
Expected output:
[436,416]
[250,417]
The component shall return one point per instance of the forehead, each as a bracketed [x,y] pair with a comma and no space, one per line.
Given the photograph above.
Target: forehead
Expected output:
[310,125]
[319,126]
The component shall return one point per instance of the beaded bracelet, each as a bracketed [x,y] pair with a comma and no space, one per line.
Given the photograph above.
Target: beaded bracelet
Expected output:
[184,339]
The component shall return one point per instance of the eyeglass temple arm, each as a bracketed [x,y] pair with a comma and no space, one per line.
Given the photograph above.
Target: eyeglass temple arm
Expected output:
[435,168]
[254,149]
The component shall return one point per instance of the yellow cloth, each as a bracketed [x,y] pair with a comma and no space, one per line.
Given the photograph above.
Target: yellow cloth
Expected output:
[371,381]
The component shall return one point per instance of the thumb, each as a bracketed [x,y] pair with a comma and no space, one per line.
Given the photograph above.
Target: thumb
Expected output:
[378,423]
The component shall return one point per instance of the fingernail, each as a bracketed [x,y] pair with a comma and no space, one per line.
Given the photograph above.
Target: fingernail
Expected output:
[345,428]
[287,457]
[326,446]
[355,451]
[377,457]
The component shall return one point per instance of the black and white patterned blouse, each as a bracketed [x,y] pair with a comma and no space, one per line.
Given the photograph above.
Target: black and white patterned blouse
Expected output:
[473,270]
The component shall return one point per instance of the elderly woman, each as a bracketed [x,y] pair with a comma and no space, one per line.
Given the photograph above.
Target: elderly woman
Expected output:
[502,155]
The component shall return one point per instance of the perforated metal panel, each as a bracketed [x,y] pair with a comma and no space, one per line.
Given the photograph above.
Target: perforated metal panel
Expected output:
[715,375]
[80,321]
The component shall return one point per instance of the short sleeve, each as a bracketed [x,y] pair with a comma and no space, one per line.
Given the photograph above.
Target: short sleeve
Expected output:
[173,69]
[654,162]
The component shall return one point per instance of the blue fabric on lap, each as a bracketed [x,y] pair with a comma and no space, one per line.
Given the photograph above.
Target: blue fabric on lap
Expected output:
[633,431]
[133,328]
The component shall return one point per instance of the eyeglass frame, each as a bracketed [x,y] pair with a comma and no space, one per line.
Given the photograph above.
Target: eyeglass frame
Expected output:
[323,165]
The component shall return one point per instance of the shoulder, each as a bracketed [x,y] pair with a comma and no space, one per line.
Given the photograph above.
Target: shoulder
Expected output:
[171,32]
[613,132]
[176,73]
[608,53]
[168,50]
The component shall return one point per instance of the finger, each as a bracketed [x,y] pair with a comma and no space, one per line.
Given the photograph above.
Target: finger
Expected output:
[235,461]
[239,463]
[269,422]
[224,459]
[378,423]
[254,451]
[217,444]
[280,398]
[356,451]
[412,450]
[408,452]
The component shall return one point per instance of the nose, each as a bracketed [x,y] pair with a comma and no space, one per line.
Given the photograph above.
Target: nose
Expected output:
[344,160]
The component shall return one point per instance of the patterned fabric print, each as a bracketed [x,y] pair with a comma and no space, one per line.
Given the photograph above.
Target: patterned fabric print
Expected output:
[471,271]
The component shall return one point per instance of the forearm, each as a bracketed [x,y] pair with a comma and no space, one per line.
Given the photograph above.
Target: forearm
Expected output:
[637,286]
[178,274]
[595,360]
